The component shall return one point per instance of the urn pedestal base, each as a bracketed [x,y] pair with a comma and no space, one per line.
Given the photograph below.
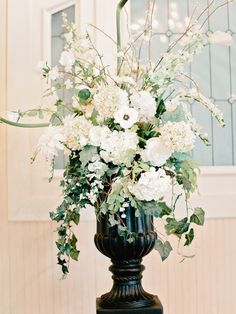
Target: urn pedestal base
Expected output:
[156,308]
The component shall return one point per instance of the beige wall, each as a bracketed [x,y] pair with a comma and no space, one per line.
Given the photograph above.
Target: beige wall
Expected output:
[29,277]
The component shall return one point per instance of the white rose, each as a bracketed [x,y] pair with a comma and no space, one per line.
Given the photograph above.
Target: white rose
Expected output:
[156,152]
[97,134]
[221,38]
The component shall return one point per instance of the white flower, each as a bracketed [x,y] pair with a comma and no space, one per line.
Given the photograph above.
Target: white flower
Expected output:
[68,84]
[177,136]
[126,117]
[156,152]
[171,105]
[53,74]
[67,60]
[69,37]
[152,185]
[108,100]
[13,116]
[145,104]
[119,147]
[76,131]
[221,38]
[50,142]
[97,134]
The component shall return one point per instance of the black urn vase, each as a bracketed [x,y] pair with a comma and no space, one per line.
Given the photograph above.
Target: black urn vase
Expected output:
[127,294]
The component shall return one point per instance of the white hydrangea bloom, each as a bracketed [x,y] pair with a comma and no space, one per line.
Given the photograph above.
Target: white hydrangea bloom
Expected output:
[67,60]
[126,117]
[50,142]
[152,185]
[97,134]
[108,100]
[177,136]
[156,152]
[119,147]
[145,104]
[76,131]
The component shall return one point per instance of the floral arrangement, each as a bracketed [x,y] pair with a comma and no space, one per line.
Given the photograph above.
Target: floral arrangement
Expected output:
[128,133]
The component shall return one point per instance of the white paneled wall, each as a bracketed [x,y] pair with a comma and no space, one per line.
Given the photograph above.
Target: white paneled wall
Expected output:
[30,279]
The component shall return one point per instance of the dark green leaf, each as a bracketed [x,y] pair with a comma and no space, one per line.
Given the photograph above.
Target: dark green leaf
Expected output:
[189,237]
[176,227]
[198,217]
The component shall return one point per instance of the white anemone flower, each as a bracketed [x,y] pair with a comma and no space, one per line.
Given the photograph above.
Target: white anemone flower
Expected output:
[126,117]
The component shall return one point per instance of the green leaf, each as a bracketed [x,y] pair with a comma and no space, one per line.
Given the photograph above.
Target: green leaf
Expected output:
[198,217]
[161,109]
[176,227]
[74,254]
[177,115]
[189,237]
[86,154]
[164,249]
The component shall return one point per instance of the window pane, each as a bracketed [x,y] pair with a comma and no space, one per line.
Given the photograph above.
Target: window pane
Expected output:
[214,70]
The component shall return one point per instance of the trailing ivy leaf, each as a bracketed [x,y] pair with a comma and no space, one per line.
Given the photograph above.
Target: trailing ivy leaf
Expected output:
[122,231]
[189,237]
[74,254]
[164,249]
[86,154]
[176,227]
[164,209]
[84,95]
[198,217]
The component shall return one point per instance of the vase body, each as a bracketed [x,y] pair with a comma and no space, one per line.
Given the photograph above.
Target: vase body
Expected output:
[127,291]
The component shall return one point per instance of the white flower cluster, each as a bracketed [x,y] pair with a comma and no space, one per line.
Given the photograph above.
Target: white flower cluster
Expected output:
[119,147]
[76,132]
[152,185]
[177,136]
[194,94]
[50,142]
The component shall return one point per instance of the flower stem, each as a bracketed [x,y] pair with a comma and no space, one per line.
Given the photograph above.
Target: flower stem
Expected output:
[118,11]
[23,125]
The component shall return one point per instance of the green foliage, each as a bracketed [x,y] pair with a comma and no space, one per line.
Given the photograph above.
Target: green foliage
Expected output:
[86,154]
[187,171]
[189,237]
[198,217]
[177,115]
[177,227]
[164,249]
